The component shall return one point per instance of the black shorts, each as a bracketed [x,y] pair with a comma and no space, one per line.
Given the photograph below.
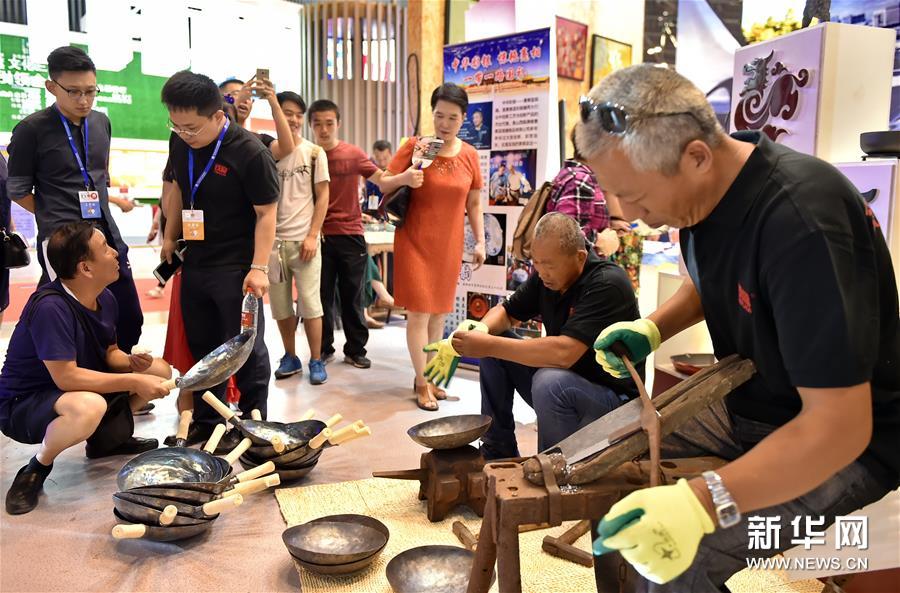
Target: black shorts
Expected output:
[24,418]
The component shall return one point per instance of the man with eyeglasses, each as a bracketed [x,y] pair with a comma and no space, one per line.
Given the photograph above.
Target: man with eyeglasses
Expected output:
[58,170]
[224,204]
[790,269]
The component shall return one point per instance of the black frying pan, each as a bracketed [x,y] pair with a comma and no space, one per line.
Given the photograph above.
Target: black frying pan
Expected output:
[131,530]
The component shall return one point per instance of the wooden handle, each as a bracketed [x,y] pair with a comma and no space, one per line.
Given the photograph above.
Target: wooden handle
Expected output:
[319,440]
[218,405]
[278,444]
[129,531]
[222,504]
[366,431]
[169,385]
[571,535]
[184,424]
[254,486]
[238,451]
[465,535]
[337,435]
[333,420]
[214,438]
[256,472]
[168,515]
[308,415]
[255,415]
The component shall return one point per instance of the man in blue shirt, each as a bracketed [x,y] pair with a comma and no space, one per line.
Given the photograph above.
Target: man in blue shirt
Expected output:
[65,380]
[58,170]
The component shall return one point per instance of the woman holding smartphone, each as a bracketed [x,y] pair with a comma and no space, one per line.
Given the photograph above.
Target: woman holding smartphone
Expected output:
[428,247]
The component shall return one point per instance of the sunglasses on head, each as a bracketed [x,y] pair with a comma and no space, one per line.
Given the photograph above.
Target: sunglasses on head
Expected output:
[615,119]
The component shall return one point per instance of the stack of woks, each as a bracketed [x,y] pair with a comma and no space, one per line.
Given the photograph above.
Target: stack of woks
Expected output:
[294,448]
[177,492]
[337,544]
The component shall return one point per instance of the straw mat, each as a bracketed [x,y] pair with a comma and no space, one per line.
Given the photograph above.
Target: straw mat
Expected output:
[396,504]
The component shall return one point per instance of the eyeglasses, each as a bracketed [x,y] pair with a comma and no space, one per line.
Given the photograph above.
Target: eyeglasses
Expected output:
[615,119]
[183,132]
[76,94]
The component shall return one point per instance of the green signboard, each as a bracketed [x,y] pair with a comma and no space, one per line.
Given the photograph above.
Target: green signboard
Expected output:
[129,98]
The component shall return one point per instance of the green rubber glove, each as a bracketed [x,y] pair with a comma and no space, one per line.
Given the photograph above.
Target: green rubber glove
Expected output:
[641,337]
[657,530]
[442,367]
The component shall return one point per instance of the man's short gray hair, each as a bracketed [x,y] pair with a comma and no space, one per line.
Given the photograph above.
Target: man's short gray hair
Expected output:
[654,143]
[564,228]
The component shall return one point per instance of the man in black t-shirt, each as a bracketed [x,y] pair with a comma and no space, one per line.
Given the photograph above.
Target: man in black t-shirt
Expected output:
[576,295]
[225,207]
[790,269]
[63,181]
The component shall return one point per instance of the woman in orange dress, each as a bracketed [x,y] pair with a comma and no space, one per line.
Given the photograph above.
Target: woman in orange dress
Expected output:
[428,247]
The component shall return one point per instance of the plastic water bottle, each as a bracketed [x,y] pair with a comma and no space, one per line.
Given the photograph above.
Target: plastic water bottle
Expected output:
[249,311]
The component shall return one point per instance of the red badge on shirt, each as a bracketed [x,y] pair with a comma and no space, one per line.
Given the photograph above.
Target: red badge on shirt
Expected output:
[220,170]
[744,299]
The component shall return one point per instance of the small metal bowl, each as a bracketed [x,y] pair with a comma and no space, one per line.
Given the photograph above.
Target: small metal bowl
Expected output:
[333,542]
[431,569]
[450,432]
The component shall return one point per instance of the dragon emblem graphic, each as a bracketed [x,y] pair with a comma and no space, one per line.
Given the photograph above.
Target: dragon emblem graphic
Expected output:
[756,107]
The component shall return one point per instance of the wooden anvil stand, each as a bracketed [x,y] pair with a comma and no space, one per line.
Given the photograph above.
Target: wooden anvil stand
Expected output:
[514,501]
[588,489]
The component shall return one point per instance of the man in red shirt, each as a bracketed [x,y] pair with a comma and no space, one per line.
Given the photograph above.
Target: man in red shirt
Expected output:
[343,243]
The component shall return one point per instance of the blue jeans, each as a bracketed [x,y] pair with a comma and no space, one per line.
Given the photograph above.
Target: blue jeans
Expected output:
[563,401]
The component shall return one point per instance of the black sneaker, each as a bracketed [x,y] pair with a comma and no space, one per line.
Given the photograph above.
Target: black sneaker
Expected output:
[327,356]
[491,452]
[197,433]
[229,441]
[22,496]
[144,411]
[358,360]
[132,446]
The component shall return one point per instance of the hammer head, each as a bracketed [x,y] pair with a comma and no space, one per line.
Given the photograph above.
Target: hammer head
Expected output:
[552,545]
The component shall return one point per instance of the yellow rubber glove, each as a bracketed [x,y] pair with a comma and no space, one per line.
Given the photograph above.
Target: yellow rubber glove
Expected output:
[641,337]
[442,367]
[657,530]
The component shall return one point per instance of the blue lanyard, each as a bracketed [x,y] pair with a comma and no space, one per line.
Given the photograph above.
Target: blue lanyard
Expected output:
[212,159]
[87,178]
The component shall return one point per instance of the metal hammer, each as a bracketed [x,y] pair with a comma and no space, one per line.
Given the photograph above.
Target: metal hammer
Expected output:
[562,547]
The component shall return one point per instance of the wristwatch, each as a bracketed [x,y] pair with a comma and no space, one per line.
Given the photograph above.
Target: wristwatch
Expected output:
[727,511]
[263,269]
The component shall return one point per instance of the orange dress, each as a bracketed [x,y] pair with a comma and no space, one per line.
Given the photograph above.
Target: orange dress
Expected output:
[428,247]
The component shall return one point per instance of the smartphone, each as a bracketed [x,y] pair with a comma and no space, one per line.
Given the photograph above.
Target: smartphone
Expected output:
[165,270]
[261,75]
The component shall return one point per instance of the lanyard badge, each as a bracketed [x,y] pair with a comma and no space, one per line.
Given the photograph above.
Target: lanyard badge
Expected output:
[192,220]
[89,199]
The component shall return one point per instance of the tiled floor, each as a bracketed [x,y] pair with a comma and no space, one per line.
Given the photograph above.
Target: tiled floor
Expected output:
[65,544]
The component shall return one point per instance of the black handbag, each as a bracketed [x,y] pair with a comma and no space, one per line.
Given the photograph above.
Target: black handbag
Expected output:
[15,250]
[393,208]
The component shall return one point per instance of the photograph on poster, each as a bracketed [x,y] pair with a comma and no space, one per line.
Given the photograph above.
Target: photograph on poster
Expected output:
[479,303]
[517,271]
[571,48]
[512,177]
[476,129]
[608,55]
[494,240]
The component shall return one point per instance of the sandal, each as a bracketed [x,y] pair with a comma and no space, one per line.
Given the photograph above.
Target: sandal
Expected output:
[430,404]
[438,392]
